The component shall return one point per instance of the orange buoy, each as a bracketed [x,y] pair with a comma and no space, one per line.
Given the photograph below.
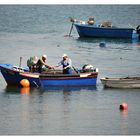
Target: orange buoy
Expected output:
[25,90]
[25,83]
[123,106]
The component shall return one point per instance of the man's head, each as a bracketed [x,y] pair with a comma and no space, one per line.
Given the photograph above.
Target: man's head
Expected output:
[65,56]
[44,57]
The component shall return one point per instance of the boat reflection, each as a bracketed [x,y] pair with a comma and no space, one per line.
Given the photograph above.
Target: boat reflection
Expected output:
[108,40]
[21,90]
[12,89]
[124,122]
[69,88]
[33,90]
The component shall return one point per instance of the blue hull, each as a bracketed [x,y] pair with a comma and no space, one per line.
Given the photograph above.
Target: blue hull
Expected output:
[13,77]
[85,30]
[69,81]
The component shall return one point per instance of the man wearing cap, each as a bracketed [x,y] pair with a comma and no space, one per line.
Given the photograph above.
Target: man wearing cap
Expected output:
[67,65]
[42,62]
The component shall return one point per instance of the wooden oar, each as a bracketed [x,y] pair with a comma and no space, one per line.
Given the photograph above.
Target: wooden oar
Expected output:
[75,69]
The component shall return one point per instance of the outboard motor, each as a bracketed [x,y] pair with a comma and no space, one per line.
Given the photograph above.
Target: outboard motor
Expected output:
[138,30]
[88,68]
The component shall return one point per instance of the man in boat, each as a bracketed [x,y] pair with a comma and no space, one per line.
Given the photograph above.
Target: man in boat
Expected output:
[31,63]
[41,63]
[67,65]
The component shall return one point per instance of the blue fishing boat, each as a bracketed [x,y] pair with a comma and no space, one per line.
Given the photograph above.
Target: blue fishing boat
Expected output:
[105,30]
[59,79]
[13,75]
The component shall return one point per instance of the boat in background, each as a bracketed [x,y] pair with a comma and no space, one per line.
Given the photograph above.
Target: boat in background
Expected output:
[105,30]
[126,82]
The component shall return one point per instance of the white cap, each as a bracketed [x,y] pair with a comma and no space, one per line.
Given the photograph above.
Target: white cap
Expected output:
[64,55]
[44,56]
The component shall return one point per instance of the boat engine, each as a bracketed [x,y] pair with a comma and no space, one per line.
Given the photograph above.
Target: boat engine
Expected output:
[87,68]
[138,29]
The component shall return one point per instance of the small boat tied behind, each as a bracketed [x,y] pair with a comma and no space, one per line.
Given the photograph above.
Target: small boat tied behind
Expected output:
[126,82]
[105,29]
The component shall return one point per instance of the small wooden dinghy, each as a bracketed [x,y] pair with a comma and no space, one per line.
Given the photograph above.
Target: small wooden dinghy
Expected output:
[127,82]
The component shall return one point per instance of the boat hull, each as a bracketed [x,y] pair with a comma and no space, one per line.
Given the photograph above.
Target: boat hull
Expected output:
[128,82]
[69,80]
[85,30]
[55,78]
[13,77]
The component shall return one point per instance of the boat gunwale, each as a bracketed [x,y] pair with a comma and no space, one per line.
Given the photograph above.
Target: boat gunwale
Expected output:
[99,27]
[120,79]
[68,76]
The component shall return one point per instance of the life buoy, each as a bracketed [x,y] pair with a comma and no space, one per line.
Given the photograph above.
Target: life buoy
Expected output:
[138,29]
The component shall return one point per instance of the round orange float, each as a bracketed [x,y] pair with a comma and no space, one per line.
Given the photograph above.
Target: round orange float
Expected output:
[123,106]
[25,83]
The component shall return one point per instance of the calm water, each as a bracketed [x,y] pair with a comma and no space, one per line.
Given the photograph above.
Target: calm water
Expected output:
[34,30]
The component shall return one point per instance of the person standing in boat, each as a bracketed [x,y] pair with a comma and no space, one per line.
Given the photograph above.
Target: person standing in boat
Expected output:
[41,63]
[67,65]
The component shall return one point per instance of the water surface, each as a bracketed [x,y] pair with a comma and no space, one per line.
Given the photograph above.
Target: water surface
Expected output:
[28,30]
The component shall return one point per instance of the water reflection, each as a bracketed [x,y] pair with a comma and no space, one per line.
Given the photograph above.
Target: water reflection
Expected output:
[124,122]
[25,90]
[124,113]
[46,110]
[33,90]
[12,90]
[69,88]
[109,40]
[22,90]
